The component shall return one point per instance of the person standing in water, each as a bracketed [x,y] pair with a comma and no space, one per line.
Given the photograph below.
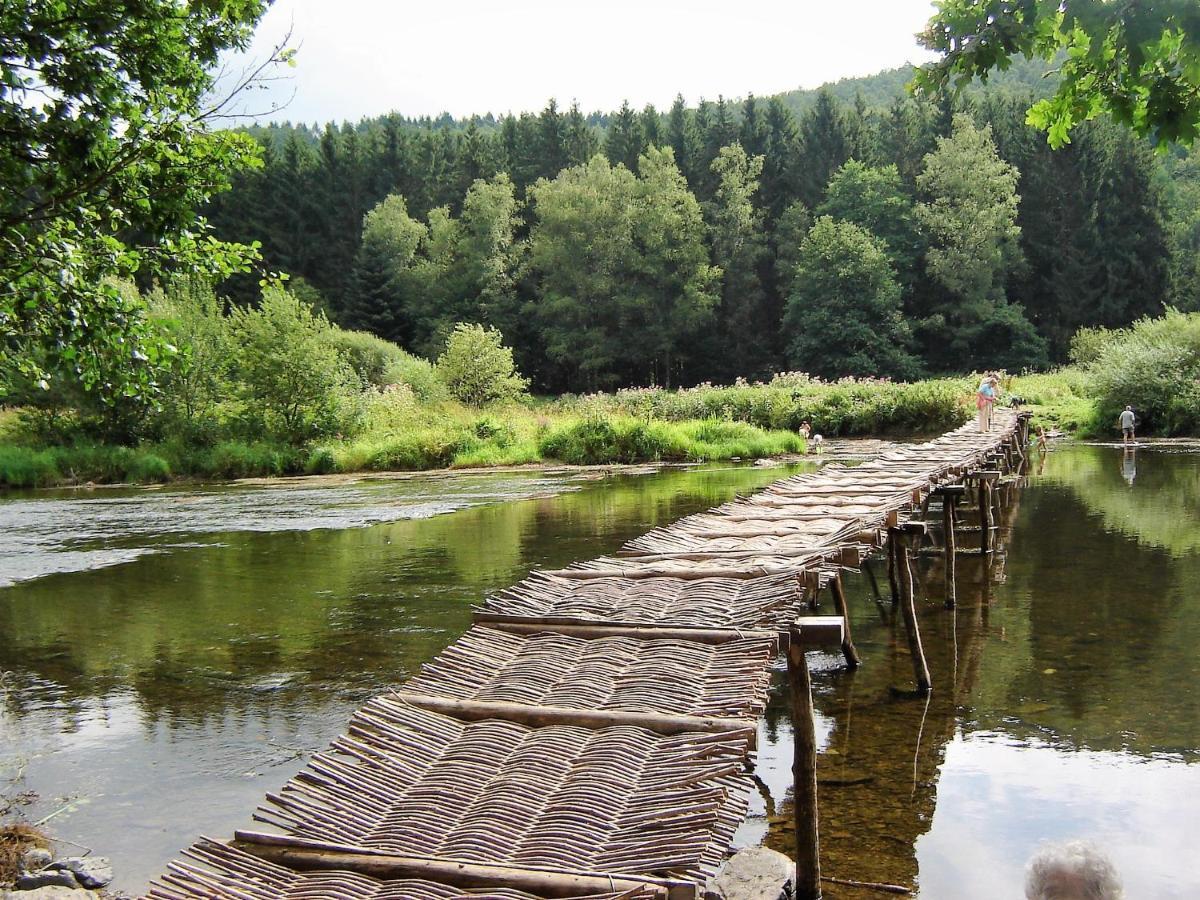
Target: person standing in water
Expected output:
[1127,420]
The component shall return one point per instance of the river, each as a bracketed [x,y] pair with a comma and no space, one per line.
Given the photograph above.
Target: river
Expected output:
[173,654]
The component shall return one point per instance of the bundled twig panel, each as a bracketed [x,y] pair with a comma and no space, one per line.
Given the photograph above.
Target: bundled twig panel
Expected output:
[613,673]
[211,869]
[701,603]
[620,799]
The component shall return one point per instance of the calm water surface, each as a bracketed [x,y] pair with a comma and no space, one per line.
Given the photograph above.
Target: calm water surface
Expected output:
[172,655]
[1065,704]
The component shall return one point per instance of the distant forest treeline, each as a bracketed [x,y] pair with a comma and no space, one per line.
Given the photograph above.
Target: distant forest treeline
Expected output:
[852,230]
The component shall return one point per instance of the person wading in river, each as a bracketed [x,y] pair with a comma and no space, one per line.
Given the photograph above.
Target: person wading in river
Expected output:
[1126,421]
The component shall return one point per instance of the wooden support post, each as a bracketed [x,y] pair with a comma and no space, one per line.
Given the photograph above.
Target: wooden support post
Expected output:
[843,610]
[804,772]
[951,542]
[950,495]
[985,516]
[893,578]
[908,609]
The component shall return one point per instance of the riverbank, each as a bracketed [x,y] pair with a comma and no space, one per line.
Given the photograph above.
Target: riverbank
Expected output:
[401,433]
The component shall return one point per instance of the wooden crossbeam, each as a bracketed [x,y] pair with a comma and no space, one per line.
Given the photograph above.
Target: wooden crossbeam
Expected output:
[541,716]
[308,855]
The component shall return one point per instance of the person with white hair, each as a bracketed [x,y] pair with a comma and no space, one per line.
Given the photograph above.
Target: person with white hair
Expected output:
[1076,870]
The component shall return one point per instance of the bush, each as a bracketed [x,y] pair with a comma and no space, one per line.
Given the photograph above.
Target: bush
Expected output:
[1154,366]
[22,467]
[372,358]
[320,462]
[292,378]
[420,376]
[477,368]
[1087,344]
[148,467]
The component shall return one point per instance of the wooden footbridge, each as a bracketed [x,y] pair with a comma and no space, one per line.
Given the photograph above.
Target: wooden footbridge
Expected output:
[591,734]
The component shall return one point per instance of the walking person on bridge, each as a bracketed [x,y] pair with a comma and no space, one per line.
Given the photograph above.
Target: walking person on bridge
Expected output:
[985,396]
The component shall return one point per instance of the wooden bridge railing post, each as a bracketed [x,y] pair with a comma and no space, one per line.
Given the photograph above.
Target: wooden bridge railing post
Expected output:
[908,606]
[804,771]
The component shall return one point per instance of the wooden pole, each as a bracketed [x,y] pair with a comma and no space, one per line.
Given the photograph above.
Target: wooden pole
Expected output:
[909,610]
[843,609]
[985,517]
[314,856]
[950,495]
[538,716]
[951,542]
[804,772]
[893,580]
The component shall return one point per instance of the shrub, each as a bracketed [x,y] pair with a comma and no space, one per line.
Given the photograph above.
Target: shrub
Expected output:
[477,368]
[196,380]
[22,467]
[291,375]
[147,467]
[1153,366]
[1087,344]
[420,376]
[320,462]
[372,358]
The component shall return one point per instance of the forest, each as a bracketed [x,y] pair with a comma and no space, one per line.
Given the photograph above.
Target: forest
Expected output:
[187,299]
[885,236]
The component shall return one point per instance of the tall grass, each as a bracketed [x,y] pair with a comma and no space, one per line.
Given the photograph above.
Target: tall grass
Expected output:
[849,407]
[628,440]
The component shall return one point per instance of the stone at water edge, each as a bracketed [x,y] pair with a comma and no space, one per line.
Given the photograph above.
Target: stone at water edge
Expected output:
[754,874]
[36,859]
[28,881]
[45,893]
[92,871]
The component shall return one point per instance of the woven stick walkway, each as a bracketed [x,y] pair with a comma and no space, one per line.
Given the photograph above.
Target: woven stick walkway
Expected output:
[590,735]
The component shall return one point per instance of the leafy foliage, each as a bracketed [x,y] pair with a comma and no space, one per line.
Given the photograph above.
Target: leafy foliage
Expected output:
[477,367]
[1138,62]
[104,115]
[843,317]
[291,375]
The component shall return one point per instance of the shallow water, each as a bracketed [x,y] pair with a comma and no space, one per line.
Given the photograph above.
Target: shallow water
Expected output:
[159,698]
[171,655]
[1065,700]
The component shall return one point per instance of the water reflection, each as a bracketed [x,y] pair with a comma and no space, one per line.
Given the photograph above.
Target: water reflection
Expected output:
[1010,797]
[1064,704]
[160,698]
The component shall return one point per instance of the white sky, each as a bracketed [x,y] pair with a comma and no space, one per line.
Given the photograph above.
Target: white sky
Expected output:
[368,57]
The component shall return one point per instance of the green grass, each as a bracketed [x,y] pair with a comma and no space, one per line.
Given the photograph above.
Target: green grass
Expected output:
[399,430]
[850,407]
[628,440]
[1059,401]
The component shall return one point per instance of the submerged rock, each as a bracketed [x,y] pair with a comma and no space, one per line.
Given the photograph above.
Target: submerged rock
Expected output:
[90,871]
[754,874]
